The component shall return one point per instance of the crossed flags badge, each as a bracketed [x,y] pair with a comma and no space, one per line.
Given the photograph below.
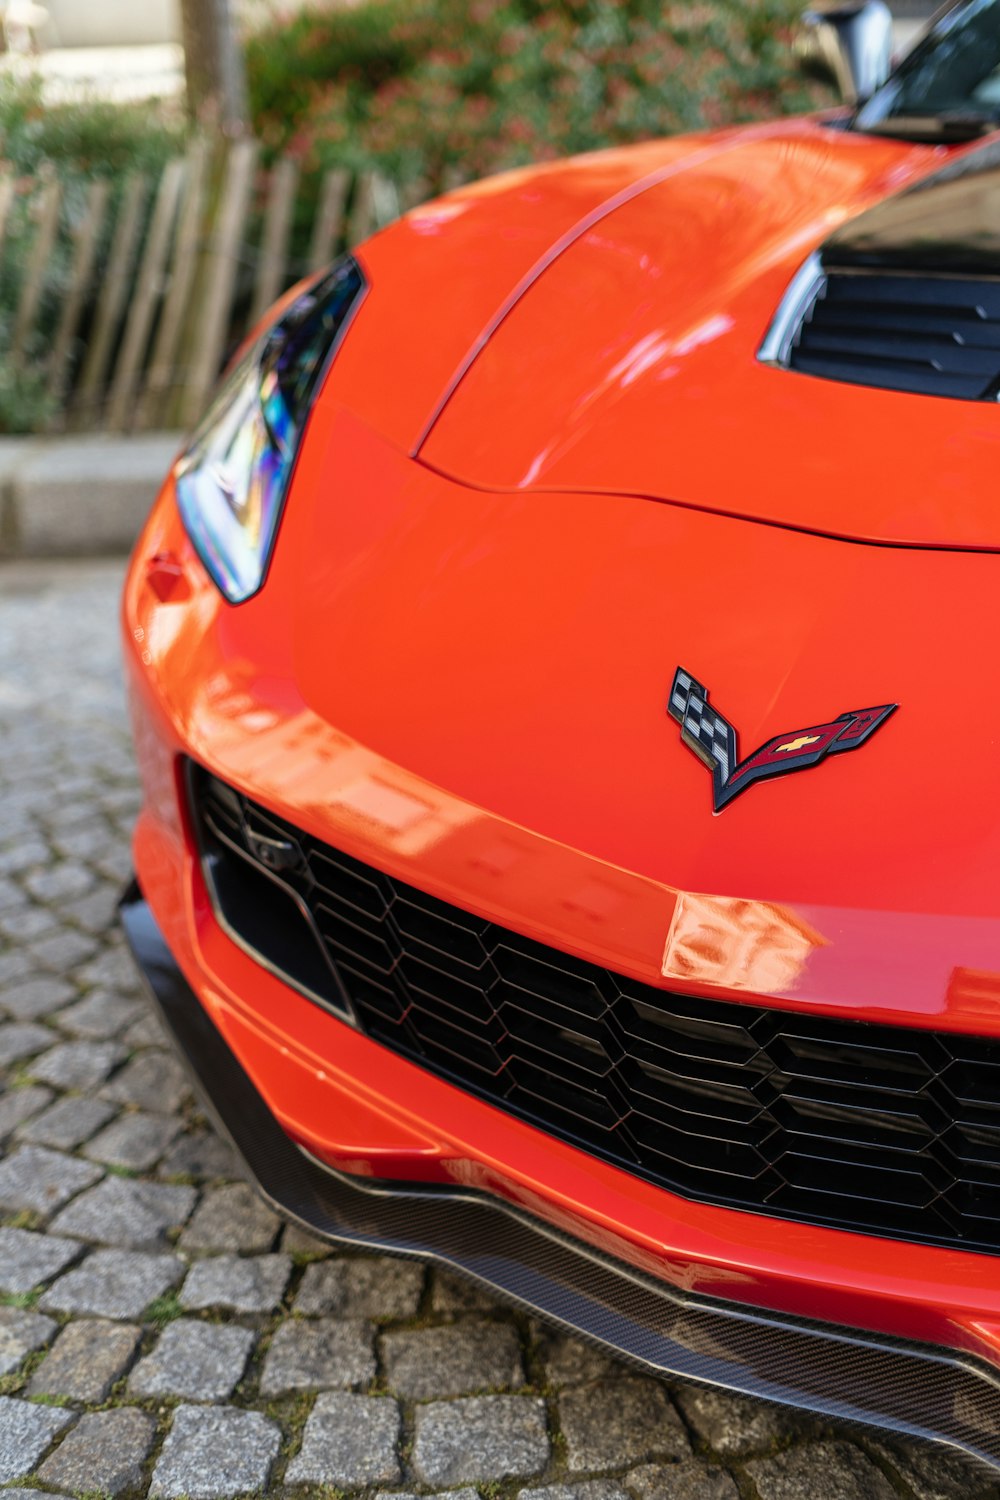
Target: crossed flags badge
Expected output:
[713,739]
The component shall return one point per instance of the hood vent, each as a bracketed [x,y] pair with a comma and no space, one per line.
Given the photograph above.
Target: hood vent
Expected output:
[901,331]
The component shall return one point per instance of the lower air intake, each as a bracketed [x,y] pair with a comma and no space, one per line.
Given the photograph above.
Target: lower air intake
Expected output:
[881,1129]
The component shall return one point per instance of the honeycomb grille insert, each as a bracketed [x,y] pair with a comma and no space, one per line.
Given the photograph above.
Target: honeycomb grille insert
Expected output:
[885,1130]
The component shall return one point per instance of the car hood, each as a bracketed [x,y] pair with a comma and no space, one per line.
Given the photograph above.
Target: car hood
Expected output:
[469,689]
[628,363]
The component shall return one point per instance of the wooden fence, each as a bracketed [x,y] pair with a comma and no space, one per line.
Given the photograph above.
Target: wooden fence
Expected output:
[160,278]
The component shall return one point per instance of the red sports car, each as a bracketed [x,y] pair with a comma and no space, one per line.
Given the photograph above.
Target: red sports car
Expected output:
[472,644]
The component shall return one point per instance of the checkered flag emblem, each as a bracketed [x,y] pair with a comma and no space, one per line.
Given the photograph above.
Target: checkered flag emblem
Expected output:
[713,740]
[703,729]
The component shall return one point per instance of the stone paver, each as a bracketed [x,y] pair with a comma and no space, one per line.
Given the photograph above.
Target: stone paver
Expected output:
[20,1333]
[937,1473]
[122,1212]
[308,1248]
[229,1281]
[373,1287]
[101,1015]
[231,1218]
[199,1361]
[19,1039]
[58,882]
[77,1065]
[27,924]
[466,1492]
[41,1180]
[453,1294]
[688,1480]
[63,950]
[471,1356]
[620,1421]
[36,997]
[26,1494]
[480,1438]
[734,1426]
[114,1284]
[104,1453]
[568,1360]
[66,1123]
[847,1474]
[350,1441]
[214,1452]
[153,1080]
[319,1355]
[147,1031]
[25,1433]
[161,1331]
[27,1260]
[201,1155]
[587,1489]
[20,1104]
[136,1141]
[112,968]
[86,1360]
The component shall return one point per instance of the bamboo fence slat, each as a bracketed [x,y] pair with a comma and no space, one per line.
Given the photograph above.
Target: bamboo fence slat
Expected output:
[413,193]
[329,218]
[362,219]
[115,289]
[38,263]
[220,279]
[8,192]
[142,308]
[453,178]
[272,266]
[162,283]
[162,373]
[386,204]
[88,238]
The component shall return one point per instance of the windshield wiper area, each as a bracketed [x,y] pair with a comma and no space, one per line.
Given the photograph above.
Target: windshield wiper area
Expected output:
[937,126]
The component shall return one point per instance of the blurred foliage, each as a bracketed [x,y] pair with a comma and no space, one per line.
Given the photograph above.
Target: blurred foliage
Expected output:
[419,87]
[25,405]
[92,139]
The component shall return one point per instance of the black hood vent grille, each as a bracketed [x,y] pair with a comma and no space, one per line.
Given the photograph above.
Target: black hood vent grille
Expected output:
[924,334]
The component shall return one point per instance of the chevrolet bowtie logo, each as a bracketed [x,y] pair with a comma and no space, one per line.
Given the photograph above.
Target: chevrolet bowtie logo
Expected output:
[801,742]
[713,740]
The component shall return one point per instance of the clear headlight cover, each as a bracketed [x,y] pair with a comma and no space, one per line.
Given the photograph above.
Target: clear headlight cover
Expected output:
[232,481]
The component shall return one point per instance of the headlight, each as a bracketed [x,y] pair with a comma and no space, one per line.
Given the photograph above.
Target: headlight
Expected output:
[232,481]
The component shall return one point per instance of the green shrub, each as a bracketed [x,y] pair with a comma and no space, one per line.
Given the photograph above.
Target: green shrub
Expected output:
[365,45]
[418,87]
[92,139]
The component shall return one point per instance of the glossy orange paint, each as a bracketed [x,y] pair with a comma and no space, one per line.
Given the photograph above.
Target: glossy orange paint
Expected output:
[463,681]
[685,280]
[446,270]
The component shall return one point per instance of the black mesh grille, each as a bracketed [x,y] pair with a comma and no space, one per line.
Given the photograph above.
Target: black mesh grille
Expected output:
[933,336]
[883,1129]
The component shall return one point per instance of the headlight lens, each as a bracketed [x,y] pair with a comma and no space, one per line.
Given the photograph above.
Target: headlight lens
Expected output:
[232,481]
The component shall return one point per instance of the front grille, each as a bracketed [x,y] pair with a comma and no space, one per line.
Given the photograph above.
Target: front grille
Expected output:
[930,335]
[876,1128]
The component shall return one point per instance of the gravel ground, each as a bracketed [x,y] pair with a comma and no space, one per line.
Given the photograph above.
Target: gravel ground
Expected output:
[162,1333]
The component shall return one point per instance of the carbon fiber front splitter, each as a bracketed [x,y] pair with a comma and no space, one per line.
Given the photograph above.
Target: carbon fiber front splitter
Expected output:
[853,1376]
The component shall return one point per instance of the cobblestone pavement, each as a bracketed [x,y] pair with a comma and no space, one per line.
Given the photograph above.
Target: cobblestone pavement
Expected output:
[161,1332]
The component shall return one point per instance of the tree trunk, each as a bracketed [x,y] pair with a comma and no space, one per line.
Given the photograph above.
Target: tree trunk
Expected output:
[213,65]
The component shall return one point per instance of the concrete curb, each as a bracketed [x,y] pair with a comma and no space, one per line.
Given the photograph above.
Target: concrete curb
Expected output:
[79,496]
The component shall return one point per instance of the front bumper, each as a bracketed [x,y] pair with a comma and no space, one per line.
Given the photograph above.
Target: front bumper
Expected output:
[910,1389]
